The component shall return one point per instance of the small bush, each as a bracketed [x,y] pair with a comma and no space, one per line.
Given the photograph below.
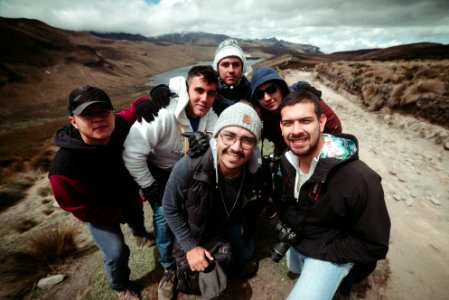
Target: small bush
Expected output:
[42,160]
[44,253]
[15,190]
[397,94]
[413,92]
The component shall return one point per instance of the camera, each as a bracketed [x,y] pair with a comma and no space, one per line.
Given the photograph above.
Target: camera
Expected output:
[271,162]
[287,237]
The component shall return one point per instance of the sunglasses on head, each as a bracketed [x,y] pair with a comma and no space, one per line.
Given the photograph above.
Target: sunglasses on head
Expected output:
[269,90]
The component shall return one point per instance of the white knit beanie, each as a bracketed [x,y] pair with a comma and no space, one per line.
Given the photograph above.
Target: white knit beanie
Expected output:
[240,114]
[227,48]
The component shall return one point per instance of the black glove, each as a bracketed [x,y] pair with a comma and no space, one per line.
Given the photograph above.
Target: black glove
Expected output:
[160,94]
[153,193]
[198,144]
[146,109]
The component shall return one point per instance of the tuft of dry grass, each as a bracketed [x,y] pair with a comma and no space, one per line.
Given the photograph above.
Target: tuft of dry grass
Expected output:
[42,159]
[43,254]
[16,179]
[15,190]
[423,86]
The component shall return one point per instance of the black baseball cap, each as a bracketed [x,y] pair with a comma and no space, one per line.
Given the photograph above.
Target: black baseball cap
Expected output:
[84,96]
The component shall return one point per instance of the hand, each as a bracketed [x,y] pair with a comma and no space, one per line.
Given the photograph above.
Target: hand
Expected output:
[153,193]
[160,94]
[147,109]
[198,144]
[198,259]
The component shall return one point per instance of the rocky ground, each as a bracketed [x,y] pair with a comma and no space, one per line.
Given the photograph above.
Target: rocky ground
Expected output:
[414,166]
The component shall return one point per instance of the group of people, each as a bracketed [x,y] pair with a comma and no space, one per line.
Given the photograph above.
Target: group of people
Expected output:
[192,151]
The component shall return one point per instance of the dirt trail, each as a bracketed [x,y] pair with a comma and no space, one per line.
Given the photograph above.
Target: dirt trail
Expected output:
[415,178]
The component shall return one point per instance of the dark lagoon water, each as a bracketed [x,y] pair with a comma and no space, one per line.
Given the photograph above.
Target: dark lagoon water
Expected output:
[164,77]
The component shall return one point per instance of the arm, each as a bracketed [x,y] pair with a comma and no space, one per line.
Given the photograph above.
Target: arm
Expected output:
[369,230]
[173,202]
[129,113]
[75,197]
[141,140]
[333,124]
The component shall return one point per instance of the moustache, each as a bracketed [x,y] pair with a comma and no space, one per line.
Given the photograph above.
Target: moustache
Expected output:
[296,136]
[238,153]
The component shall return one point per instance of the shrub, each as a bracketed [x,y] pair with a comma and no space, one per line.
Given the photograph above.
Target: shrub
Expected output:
[14,191]
[42,254]
[396,94]
[42,160]
[413,92]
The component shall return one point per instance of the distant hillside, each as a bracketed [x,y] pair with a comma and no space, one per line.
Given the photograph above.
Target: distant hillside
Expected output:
[270,45]
[406,52]
[415,51]
[121,36]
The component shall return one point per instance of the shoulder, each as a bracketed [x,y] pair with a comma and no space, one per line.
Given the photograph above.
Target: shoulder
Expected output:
[122,127]
[65,163]
[358,173]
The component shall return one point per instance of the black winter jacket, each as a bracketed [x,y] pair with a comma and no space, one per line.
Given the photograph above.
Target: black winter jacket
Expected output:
[192,206]
[229,95]
[340,215]
[92,182]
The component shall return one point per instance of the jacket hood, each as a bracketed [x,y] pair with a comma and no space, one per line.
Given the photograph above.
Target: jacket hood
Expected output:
[264,74]
[69,137]
[178,85]
[337,149]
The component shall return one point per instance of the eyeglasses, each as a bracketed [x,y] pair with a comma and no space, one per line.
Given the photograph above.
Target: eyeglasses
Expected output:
[229,139]
[269,90]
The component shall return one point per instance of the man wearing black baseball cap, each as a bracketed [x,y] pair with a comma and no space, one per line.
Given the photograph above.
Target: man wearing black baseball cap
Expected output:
[89,180]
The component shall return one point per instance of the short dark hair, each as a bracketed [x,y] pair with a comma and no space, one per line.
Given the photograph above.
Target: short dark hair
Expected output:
[302,96]
[206,72]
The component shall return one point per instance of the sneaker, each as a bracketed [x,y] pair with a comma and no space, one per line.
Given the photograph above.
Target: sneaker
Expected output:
[292,276]
[167,286]
[128,295]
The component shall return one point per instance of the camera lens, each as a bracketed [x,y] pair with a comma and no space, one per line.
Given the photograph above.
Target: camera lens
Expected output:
[279,250]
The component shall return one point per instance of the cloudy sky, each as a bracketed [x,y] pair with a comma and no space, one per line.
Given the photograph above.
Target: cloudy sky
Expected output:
[332,25]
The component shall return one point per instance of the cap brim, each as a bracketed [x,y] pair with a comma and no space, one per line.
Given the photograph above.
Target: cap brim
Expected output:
[82,107]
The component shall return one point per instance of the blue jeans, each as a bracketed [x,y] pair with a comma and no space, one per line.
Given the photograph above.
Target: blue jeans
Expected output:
[319,279]
[110,240]
[163,237]
[241,250]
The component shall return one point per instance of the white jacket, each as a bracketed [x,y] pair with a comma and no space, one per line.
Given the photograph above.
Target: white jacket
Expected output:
[160,141]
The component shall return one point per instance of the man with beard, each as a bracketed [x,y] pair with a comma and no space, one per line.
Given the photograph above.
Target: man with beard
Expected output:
[333,207]
[216,197]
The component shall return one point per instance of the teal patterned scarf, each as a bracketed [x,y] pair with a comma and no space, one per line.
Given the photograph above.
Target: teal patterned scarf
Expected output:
[337,147]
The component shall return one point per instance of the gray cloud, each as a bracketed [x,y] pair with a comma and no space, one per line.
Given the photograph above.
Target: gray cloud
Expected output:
[331,25]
